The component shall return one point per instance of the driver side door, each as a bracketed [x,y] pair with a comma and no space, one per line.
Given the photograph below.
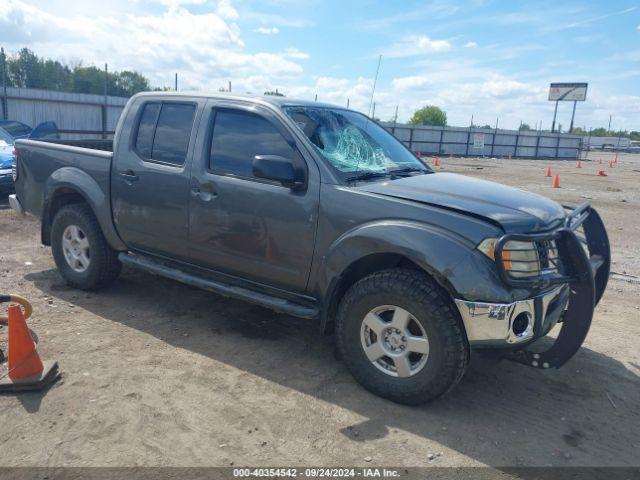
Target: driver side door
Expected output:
[246,226]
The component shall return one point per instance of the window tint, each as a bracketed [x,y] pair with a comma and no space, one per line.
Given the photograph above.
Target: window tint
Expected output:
[147,124]
[171,140]
[240,136]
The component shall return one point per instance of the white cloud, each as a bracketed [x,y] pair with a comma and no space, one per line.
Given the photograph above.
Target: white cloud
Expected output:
[416,45]
[206,49]
[267,30]
[295,54]
[275,19]
[470,45]
[225,9]
[414,82]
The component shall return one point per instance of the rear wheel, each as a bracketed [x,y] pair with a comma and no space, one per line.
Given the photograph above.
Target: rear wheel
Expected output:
[400,337]
[83,257]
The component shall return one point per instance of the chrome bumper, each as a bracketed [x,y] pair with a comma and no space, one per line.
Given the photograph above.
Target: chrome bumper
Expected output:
[15,204]
[505,324]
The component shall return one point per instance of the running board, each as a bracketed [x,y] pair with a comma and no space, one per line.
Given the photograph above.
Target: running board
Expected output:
[277,304]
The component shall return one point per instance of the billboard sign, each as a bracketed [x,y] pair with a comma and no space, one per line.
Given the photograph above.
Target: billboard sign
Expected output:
[570,92]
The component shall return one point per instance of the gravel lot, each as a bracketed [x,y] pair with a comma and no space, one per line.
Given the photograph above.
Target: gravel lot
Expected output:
[158,373]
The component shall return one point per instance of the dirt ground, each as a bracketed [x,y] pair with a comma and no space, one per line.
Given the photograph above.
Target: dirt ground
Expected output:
[159,373]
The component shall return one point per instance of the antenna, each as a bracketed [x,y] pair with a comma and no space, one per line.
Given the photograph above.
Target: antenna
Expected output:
[375,80]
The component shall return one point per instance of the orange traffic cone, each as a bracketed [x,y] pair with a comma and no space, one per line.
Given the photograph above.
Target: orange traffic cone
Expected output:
[616,159]
[578,164]
[600,161]
[548,171]
[509,156]
[610,163]
[419,154]
[602,174]
[25,368]
[436,163]
[556,181]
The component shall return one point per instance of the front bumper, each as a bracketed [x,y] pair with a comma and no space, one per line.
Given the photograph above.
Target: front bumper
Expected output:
[571,292]
[509,324]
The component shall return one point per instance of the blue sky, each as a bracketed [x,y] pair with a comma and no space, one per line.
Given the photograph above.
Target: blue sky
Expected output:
[489,59]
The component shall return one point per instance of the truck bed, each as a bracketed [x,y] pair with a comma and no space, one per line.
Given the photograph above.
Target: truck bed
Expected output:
[40,161]
[90,143]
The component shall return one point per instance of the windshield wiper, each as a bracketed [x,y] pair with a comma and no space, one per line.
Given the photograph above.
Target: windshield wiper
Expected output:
[367,176]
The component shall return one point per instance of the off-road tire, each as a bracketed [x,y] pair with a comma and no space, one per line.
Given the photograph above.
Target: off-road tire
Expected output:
[432,307]
[104,266]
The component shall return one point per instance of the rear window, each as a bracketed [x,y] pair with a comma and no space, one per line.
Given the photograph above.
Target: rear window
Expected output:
[171,140]
[146,127]
[164,132]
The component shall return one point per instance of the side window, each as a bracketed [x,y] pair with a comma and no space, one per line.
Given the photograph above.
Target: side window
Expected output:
[146,127]
[171,140]
[238,137]
[164,132]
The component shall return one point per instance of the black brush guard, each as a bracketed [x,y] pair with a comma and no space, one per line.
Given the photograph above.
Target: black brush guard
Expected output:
[586,274]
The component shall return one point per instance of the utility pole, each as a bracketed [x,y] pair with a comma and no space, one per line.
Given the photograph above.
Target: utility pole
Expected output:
[347,102]
[5,101]
[395,117]
[375,80]
[316,99]
[555,113]
[471,124]
[175,83]
[609,127]
[104,107]
[229,86]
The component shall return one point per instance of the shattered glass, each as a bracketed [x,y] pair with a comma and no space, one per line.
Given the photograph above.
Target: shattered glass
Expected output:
[351,142]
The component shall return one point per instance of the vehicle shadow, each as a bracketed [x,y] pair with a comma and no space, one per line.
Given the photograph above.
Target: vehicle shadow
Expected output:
[500,414]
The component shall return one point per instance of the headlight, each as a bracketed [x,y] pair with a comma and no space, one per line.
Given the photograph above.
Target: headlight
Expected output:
[520,259]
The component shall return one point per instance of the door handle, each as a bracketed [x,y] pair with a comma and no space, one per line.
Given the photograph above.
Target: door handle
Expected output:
[205,194]
[129,176]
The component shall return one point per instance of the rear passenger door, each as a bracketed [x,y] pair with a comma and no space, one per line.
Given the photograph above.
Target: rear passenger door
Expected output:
[150,176]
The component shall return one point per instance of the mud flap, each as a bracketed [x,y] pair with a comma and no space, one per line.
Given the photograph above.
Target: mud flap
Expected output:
[590,275]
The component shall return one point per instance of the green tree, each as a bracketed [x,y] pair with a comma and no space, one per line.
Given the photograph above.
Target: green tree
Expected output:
[129,83]
[274,93]
[429,115]
[26,70]
[524,127]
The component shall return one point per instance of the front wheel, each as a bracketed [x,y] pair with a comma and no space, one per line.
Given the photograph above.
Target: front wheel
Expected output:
[83,257]
[399,335]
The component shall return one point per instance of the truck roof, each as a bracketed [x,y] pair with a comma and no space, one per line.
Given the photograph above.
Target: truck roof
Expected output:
[262,99]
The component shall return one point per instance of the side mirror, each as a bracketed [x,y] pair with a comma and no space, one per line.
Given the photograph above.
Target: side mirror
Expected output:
[277,168]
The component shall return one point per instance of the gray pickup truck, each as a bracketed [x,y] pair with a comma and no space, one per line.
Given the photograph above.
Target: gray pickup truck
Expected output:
[317,211]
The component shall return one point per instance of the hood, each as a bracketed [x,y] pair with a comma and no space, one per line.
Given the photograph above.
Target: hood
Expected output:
[513,209]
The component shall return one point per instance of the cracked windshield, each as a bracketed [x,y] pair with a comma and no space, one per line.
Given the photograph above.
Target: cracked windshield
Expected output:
[352,143]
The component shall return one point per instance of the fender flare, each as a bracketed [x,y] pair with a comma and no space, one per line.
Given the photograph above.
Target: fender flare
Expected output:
[78,181]
[448,258]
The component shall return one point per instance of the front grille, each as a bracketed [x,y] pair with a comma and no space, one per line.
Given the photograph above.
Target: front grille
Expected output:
[548,255]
